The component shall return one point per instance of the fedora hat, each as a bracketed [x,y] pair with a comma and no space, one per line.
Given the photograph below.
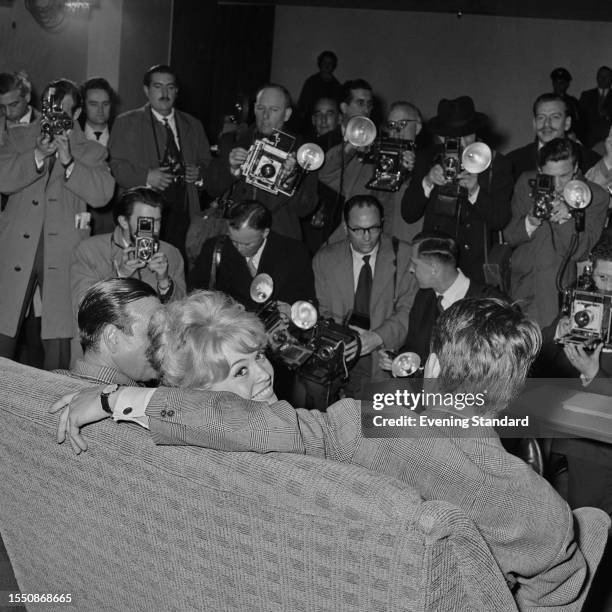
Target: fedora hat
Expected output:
[456,118]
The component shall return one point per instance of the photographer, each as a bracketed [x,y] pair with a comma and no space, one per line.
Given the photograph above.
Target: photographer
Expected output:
[224,176]
[118,254]
[50,172]
[479,203]
[540,245]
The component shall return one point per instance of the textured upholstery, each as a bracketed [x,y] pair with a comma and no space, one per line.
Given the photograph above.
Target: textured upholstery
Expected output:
[131,526]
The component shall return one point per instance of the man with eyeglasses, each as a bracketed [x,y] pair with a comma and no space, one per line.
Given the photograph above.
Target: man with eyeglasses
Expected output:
[164,149]
[540,245]
[348,170]
[364,281]
[551,119]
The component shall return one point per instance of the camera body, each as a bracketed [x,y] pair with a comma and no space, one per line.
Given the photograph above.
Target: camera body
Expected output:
[451,159]
[174,165]
[264,165]
[147,243]
[590,319]
[543,194]
[54,120]
[389,173]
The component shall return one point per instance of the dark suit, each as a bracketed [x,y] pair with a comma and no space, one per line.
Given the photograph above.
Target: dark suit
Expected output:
[134,150]
[286,211]
[286,260]
[525,159]
[596,119]
[424,314]
[490,212]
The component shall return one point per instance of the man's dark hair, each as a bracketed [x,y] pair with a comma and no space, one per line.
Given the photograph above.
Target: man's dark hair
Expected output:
[65,87]
[281,88]
[485,345]
[330,54]
[161,68]
[436,246]
[251,213]
[124,205]
[346,93]
[549,97]
[362,201]
[98,83]
[558,149]
[10,81]
[105,303]
[602,250]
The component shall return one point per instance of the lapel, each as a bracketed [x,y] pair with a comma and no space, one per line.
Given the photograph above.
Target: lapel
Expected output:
[383,274]
[185,139]
[344,277]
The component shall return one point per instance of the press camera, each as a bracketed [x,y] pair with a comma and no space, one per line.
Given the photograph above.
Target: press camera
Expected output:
[386,155]
[590,319]
[173,163]
[54,120]
[146,241]
[318,349]
[543,194]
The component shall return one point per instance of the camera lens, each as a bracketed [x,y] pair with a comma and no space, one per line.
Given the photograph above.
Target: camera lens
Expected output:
[583,318]
[267,171]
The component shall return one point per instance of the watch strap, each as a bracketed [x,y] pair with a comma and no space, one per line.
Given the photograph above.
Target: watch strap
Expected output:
[104,395]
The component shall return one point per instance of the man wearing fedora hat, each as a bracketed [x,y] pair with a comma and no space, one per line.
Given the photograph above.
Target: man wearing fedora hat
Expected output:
[480,204]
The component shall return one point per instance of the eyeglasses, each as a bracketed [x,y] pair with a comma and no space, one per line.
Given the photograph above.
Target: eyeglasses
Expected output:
[361,231]
[401,124]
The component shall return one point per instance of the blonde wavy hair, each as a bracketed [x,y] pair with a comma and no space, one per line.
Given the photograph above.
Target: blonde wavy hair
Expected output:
[189,338]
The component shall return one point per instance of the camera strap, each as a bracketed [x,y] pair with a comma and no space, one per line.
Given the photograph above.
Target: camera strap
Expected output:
[178,136]
[395,246]
[216,260]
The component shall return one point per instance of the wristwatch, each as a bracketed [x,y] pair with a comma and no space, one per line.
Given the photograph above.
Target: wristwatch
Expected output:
[104,395]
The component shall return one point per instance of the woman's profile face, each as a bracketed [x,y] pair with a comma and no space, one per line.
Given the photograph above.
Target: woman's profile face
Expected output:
[251,376]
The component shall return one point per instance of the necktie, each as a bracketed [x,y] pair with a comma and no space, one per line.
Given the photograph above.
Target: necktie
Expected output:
[364,288]
[251,266]
[439,299]
[97,135]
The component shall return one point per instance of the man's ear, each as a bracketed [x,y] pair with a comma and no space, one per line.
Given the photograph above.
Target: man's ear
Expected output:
[288,113]
[110,337]
[123,223]
[146,90]
[419,127]
[266,232]
[568,123]
[432,367]
[343,107]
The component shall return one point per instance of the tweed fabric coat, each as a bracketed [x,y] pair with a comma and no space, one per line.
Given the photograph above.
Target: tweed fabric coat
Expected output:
[528,527]
[45,202]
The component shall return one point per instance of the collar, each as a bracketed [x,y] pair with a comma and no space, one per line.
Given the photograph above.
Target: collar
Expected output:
[359,256]
[161,118]
[456,291]
[102,374]
[256,258]
[90,133]
[118,240]
[27,118]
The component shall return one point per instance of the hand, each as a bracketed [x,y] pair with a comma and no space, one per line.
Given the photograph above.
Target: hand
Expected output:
[159,265]
[284,309]
[192,173]
[45,146]
[237,157]
[289,164]
[586,364]
[159,178]
[384,361]
[369,340]
[608,144]
[436,176]
[408,159]
[469,181]
[63,148]
[350,350]
[564,327]
[128,264]
[78,409]
[534,220]
[560,212]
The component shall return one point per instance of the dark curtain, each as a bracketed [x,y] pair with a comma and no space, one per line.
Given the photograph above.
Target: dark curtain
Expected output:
[219,51]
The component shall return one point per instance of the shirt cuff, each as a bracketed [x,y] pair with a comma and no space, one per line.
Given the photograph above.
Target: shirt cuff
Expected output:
[530,227]
[586,380]
[130,405]
[427,188]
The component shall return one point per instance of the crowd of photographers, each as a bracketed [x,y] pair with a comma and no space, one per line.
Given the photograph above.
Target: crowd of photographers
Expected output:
[313,205]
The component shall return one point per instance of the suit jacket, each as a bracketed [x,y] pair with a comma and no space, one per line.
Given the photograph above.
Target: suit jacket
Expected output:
[528,527]
[490,212]
[133,152]
[286,211]
[596,124]
[393,289]
[525,159]
[536,259]
[286,260]
[45,203]
[424,314]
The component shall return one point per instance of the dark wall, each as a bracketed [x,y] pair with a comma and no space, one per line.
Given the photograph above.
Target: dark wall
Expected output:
[218,52]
